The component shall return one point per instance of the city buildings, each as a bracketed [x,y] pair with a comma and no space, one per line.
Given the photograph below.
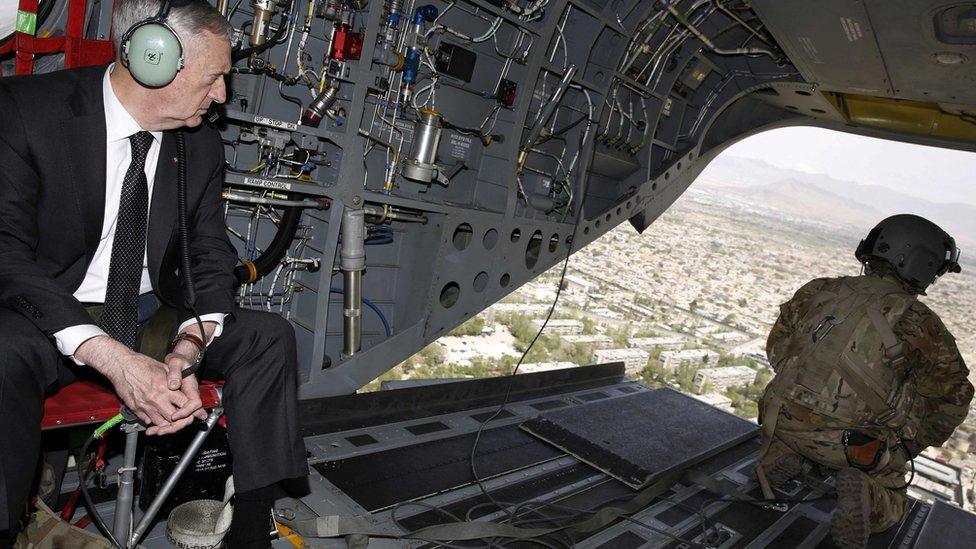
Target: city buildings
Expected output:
[635,360]
[596,340]
[722,379]
[672,360]
[577,285]
[650,343]
[710,266]
[937,481]
[560,326]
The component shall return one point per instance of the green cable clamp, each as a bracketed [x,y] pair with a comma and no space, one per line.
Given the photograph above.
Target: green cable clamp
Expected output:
[103,428]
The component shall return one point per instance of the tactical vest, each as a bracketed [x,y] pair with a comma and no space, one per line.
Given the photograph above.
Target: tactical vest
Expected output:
[844,360]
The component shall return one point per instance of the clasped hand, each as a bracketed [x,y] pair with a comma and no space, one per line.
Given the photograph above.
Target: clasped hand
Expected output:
[154,391]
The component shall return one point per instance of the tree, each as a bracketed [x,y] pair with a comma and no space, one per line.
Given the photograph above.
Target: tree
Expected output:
[619,336]
[685,378]
[522,330]
[589,326]
[762,378]
[473,327]
[653,375]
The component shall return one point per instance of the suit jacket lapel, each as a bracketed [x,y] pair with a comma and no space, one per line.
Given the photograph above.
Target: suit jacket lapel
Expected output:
[162,209]
[83,137]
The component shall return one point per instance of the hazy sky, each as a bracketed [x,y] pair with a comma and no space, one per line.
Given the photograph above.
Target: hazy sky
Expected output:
[938,175]
[8,12]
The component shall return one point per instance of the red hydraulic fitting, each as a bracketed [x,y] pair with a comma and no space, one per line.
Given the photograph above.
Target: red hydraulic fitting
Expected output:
[346,45]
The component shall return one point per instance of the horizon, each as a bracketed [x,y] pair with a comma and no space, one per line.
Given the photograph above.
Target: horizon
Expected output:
[833,162]
[867,161]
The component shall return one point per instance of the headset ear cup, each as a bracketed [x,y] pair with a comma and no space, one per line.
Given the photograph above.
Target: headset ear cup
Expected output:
[154,54]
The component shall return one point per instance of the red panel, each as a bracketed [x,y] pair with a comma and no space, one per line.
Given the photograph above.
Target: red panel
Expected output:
[79,403]
[76,18]
[87,402]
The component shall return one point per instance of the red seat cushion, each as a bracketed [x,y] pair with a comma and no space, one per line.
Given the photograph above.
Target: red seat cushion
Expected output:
[84,402]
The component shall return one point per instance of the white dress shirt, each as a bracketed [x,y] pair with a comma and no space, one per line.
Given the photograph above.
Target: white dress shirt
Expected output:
[119,125]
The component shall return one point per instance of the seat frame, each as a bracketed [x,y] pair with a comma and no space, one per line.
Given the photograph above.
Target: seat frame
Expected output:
[87,402]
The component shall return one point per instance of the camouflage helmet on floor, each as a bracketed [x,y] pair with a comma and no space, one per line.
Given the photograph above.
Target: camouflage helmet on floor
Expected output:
[917,250]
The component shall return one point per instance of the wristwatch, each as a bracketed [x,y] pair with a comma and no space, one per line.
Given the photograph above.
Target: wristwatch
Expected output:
[197,342]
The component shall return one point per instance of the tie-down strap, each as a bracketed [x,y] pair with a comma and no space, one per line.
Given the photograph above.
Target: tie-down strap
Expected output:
[341,526]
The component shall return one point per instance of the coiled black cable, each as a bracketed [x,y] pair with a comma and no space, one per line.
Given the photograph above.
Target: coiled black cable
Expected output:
[273,41]
[275,250]
[83,486]
[189,289]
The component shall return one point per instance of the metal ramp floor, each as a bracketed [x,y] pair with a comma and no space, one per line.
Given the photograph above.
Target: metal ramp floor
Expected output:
[401,457]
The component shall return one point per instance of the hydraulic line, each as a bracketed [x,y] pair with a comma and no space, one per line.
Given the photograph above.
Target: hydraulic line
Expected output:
[709,44]
[545,113]
[737,19]
[256,50]
[278,202]
[387,212]
[251,271]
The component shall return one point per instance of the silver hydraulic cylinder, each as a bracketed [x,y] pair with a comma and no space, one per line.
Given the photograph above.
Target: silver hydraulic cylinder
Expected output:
[264,10]
[352,263]
[421,165]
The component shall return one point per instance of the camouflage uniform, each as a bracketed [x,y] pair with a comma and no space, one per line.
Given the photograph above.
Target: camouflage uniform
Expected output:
[936,380]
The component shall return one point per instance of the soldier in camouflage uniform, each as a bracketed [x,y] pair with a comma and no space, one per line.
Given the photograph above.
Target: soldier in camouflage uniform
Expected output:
[867,377]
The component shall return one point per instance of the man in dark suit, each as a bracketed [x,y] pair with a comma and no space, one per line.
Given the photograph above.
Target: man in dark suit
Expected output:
[88,229]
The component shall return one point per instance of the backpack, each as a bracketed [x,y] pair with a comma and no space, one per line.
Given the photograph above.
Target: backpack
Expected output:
[844,359]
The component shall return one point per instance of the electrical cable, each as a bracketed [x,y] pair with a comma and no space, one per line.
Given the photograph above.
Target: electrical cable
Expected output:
[273,41]
[379,235]
[386,323]
[189,288]
[485,138]
[511,377]
[98,434]
[233,11]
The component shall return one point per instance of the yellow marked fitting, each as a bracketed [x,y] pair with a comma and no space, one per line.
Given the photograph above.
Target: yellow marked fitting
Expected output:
[252,271]
[290,535]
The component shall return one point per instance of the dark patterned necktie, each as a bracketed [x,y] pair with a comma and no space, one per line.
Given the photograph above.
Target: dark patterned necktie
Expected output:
[120,319]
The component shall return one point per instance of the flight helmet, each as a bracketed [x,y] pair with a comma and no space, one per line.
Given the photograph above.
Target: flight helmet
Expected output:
[917,250]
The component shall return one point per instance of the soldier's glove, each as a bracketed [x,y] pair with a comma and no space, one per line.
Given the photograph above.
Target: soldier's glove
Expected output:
[864,451]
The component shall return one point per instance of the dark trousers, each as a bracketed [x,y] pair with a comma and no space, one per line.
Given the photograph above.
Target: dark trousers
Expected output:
[255,354]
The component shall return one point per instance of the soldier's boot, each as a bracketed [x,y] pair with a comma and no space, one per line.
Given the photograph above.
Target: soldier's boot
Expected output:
[784,468]
[849,526]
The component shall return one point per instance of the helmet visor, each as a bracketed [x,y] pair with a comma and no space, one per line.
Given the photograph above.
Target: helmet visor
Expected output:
[951,264]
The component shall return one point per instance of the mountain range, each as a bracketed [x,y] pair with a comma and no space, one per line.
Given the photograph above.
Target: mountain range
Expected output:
[818,197]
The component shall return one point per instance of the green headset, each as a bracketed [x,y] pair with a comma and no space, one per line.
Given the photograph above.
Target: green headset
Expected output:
[152,51]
